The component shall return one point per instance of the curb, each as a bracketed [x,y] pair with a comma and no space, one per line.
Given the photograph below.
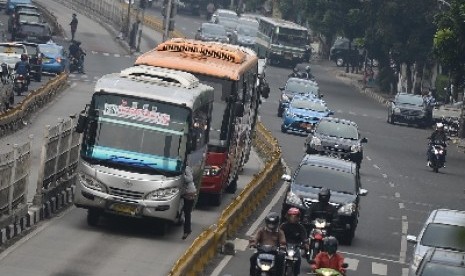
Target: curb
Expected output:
[35,214]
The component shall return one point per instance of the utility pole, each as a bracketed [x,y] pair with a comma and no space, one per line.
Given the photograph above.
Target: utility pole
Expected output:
[170,12]
[142,5]
[128,18]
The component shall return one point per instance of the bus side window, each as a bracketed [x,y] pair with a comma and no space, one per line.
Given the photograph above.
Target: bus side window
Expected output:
[200,128]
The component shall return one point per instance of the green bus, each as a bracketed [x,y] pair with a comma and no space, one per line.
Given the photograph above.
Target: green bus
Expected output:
[282,41]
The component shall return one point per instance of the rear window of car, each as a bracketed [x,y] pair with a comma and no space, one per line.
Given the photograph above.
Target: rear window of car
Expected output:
[301,87]
[320,177]
[29,18]
[11,49]
[309,105]
[434,269]
[444,236]
[339,130]
[214,29]
[50,50]
[36,29]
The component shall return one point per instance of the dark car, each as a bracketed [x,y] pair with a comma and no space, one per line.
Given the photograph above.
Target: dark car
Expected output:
[341,177]
[337,138]
[34,32]
[189,7]
[410,109]
[339,52]
[246,32]
[439,261]
[35,60]
[23,16]
[296,86]
[212,32]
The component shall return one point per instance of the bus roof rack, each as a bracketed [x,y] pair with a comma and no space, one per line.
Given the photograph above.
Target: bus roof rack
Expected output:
[205,49]
[161,76]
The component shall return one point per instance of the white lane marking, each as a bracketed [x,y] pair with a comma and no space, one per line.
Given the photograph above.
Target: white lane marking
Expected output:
[221,265]
[371,257]
[378,268]
[117,55]
[405,271]
[401,205]
[353,263]
[241,244]
[391,184]
[397,194]
[384,175]
[376,166]
[368,158]
[403,240]
[106,54]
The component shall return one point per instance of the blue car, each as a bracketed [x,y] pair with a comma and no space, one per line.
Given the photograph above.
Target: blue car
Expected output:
[54,58]
[302,113]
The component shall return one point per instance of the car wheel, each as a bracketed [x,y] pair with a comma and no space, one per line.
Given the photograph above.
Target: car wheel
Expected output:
[232,187]
[339,62]
[391,119]
[283,129]
[280,112]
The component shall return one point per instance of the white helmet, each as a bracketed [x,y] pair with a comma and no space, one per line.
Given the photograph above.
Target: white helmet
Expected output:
[439,126]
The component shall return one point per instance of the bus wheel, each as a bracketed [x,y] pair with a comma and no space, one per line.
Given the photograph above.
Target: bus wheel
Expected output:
[232,187]
[215,199]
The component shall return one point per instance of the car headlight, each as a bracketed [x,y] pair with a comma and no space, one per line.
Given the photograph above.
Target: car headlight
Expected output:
[211,170]
[355,148]
[91,183]
[396,110]
[163,194]
[278,53]
[284,97]
[347,209]
[315,141]
[293,199]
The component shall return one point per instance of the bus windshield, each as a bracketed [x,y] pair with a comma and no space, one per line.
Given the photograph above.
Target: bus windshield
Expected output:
[290,37]
[136,134]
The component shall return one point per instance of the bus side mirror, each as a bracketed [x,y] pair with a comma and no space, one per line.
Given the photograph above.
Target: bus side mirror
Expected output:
[239,109]
[81,123]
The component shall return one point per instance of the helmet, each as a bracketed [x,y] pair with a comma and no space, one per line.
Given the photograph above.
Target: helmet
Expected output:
[293,212]
[330,244]
[272,221]
[24,57]
[308,69]
[324,195]
[439,126]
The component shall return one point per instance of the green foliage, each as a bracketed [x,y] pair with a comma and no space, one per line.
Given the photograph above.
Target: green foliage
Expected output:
[442,81]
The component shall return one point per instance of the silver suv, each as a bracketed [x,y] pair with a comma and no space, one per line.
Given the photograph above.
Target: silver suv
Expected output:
[443,229]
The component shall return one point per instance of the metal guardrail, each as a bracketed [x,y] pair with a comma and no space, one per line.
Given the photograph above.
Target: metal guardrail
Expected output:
[208,243]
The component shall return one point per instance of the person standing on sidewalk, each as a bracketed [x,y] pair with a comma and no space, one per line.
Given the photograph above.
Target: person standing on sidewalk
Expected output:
[188,195]
[73,24]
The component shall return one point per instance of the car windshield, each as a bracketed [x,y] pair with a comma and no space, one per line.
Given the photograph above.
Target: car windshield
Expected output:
[301,87]
[409,99]
[247,30]
[444,236]
[339,130]
[50,50]
[322,177]
[213,29]
[434,269]
[309,105]
[11,49]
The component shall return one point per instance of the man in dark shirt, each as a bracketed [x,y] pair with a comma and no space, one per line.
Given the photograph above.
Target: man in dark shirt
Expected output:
[322,208]
[295,233]
[73,24]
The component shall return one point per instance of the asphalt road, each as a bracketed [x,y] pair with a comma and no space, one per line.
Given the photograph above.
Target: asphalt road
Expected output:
[402,190]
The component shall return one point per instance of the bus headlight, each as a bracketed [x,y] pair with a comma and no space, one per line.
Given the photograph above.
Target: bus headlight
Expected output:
[163,194]
[211,170]
[91,183]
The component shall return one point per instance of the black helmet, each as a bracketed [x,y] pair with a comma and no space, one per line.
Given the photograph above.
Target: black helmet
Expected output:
[272,221]
[24,57]
[324,195]
[308,69]
[330,244]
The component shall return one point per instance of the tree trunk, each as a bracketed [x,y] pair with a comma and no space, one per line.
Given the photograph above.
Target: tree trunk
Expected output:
[408,76]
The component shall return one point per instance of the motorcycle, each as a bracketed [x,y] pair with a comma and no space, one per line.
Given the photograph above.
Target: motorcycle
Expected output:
[20,84]
[290,259]
[266,260]
[318,232]
[437,157]
[75,64]
[326,271]
[451,126]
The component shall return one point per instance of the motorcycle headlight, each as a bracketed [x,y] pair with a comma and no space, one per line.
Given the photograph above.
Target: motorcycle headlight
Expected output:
[264,266]
[294,200]
[347,209]
[355,148]
[396,110]
[91,183]
[320,224]
[284,97]
[211,170]
[163,194]
[291,252]
[315,141]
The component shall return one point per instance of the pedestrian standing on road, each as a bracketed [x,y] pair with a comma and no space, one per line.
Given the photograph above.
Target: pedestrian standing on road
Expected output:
[188,195]
[73,24]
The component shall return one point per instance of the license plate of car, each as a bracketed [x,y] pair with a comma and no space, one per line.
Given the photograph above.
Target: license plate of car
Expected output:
[306,126]
[124,208]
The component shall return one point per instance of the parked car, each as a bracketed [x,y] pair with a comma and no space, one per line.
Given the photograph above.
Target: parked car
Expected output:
[54,58]
[444,228]
[302,113]
[296,86]
[35,60]
[338,138]
[212,32]
[11,4]
[339,51]
[410,109]
[439,261]
[34,32]
[10,53]
[343,180]
[23,16]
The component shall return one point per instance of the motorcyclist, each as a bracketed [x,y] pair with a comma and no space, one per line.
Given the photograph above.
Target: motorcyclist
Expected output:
[329,257]
[438,137]
[295,233]
[76,52]
[322,208]
[270,234]
[23,67]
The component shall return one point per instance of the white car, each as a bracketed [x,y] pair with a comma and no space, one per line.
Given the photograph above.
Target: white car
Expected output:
[10,53]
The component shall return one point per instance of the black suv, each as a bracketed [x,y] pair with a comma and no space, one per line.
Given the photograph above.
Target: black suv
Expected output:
[296,86]
[337,138]
[341,177]
[339,52]
[35,60]
[34,32]
[23,16]
[410,109]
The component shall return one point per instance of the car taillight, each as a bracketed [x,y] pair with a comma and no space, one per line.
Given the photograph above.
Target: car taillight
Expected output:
[58,60]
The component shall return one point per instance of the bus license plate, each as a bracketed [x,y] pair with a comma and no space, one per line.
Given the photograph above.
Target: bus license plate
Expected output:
[124,208]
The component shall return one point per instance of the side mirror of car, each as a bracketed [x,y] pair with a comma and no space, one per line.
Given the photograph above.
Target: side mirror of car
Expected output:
[286,177]
[320,96]
[281,88]
[364,140]
[330,112]
[412,239]
[199,30]
[363,192]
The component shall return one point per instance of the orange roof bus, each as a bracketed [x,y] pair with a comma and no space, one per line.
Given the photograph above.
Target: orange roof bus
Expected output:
[232,72]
